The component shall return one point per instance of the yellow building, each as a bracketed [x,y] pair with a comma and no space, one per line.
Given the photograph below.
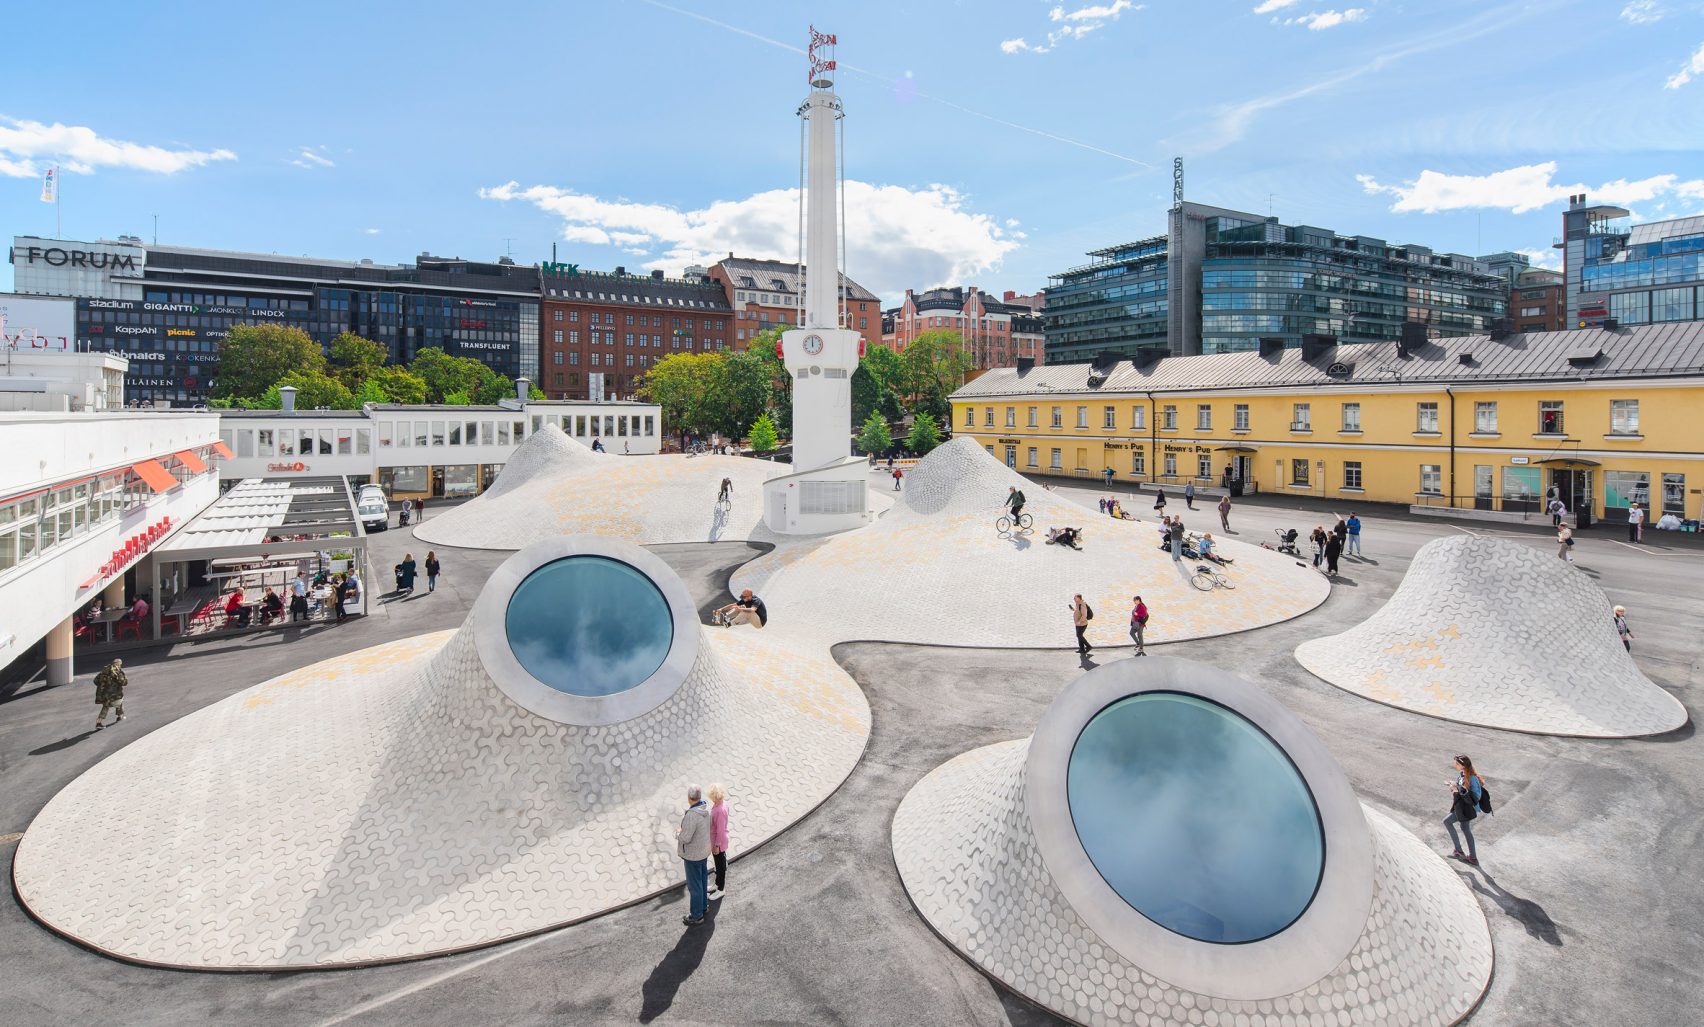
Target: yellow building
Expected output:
[1483,423]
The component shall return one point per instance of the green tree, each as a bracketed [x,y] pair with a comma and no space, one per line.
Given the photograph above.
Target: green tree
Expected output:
[370,392]
[680,384]
[457,399]
[354,359]
[739,389]
[316,389]
[875,385]
[398,384]
[874,437]
[444,375]
[252,358]
[925,434]
[781,383]
[934,364]
[762,435]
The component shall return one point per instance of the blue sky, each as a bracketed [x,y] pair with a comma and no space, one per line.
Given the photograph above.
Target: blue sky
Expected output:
[987,143]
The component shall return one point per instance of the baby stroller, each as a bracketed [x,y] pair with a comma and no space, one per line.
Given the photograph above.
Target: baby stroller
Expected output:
[1287,542]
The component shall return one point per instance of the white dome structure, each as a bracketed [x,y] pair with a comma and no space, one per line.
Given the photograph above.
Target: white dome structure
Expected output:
[1173,847]
[1497,633]
[524,771]
[911,576]
[553,485]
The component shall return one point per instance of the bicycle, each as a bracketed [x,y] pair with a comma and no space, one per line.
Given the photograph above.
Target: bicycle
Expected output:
[1206,579]
[1025,524]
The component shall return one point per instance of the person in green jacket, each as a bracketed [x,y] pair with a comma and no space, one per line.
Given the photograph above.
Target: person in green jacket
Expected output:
[109,691]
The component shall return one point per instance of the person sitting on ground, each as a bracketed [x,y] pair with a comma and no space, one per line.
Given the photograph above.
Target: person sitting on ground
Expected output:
[1015,500]
[271,607]
[747,609]
[1209,549]
[1065,537]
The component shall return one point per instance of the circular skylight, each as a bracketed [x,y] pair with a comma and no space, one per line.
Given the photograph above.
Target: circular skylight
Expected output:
[589,625]
[1195,817]
[586,630]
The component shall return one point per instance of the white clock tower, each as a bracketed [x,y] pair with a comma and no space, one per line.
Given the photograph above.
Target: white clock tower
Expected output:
[827,489]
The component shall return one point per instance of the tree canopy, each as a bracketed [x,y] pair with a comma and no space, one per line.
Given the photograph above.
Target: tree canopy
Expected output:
[874,436]
[934,364]
[253,358]
[354,359]
[763,436]
[925,434]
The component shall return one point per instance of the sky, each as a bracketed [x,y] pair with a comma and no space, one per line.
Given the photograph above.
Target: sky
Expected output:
[987,143]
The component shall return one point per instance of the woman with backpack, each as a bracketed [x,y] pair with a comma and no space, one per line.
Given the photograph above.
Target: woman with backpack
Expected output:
[1467,795]
[1138,621]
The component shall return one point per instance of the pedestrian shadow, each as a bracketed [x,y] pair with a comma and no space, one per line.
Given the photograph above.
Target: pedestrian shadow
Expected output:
[1086,661]
[1530,914]
[63,743]
[1020,541]
[1338,579]
[681,962]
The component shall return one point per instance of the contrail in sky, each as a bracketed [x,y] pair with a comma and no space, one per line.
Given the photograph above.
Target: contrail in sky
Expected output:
[890,81]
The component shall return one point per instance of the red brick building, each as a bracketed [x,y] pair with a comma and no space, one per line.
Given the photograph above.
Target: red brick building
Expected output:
[765,294]
[616,325]
[996,332]
[1538,301]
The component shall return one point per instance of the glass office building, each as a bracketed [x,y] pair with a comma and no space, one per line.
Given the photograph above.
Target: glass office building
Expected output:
[1638,274]
[1221,281]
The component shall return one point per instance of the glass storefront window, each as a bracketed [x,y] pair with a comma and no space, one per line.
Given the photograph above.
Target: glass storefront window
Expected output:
[437,433]
[325,441]
[419,433]
[502,433]
[455,434]
[1674,494]
[404,479]
[461,481]
[305,442]
[344,442]
[470,433]
[264,442]
[1623,488]
[1522,484]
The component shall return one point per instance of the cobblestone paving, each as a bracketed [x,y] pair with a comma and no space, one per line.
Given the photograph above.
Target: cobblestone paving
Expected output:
[555,486]
[934,570]
[393,804]
[1492,632]
[966,854]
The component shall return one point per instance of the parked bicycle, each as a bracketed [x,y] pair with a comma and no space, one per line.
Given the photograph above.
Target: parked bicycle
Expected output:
[1206,578]
[1004,525]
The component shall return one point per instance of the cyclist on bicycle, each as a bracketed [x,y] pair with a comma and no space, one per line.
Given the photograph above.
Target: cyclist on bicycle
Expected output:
[726,495]
[1015,500]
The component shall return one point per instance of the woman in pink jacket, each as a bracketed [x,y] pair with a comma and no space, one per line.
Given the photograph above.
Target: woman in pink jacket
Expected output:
[718,836]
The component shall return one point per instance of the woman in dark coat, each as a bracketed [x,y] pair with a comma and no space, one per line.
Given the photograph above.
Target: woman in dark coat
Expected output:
[405,573]
[1333,549]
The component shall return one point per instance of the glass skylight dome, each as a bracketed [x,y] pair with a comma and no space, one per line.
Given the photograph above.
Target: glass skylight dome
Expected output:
[586,630]
[1195,818]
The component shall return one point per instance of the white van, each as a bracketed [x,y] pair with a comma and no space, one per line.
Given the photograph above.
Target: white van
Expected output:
[372,507]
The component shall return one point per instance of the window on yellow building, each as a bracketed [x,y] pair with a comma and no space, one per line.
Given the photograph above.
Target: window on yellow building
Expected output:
[1058,417]
[1485,418]
[1301,419]
[1168,418]
[1674,494]
[970,417]
[1239,417]
[1032,420]
[1203,465]
[1168,465]
[1109,419]
[1138,418]
[1550,417]
[1624,416]
[1431,480]
[1299,471]
[1138,461]
[1082,417]
[1032,454]
[1011,417]
[1203,417]
[1426,417]
[1352,474]
[1056,465]
[1351,417]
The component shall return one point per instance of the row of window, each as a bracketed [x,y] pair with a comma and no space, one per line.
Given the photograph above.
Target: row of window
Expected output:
[271,442]
[653,320]
[29,527]
[1623,417]
[1656,305]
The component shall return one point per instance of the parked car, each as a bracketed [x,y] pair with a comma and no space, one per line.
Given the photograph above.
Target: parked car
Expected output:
[372,507]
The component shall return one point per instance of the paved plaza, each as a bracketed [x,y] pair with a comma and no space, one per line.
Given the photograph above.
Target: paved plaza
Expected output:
[1588,867]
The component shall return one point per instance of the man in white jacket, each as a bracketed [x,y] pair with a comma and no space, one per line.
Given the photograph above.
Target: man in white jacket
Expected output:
[692,844]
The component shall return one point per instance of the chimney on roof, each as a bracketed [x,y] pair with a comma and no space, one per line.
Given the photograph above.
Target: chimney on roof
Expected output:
[620,270]
[657,274]
[1025,365]
[1412,338]
[1270,346]
[287,399]
[523,389]
[1315,346]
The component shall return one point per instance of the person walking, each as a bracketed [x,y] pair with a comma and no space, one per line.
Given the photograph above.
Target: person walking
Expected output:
[1159,500]
[1103,504]
[1176,533]
[718,797]
[1565,542]
[1333,549]
[1622,629]
[1138,621]
[1108,475]
[692,845]
[1189,494]
[1225,513]
[432,569]
[109,691]
[1081,614]
[420,511]
[299,597]
[1557,510]
[1465,791]
[1354,526]
[340,595]
[405,572]
[1318,540]
[898,475]
[1635,523]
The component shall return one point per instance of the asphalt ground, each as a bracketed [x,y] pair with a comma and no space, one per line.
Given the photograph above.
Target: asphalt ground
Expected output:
[1591,878]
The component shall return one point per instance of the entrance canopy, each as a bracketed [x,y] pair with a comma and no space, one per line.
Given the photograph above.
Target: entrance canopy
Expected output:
[1235,449]
[1568,461]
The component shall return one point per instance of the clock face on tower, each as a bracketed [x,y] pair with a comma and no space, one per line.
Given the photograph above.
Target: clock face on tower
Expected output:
[813,344]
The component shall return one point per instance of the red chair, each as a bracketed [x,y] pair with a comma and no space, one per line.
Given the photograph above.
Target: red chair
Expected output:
[123,627]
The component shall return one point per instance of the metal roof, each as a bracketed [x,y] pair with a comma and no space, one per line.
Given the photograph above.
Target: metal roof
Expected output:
[1656,231]
[1639,351]
[256,509]
[766,273]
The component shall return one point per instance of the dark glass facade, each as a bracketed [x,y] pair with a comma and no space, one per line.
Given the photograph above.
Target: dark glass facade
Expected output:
[1245,278]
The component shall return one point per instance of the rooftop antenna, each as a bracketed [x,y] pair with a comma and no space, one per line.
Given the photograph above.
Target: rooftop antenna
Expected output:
[156,229]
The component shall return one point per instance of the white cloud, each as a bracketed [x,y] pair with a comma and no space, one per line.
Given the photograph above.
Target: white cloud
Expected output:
[1643,12]
[1519,190]
[308,158]
[1319,20]
[1275,5]
[899,237]
[371,231]
[1072,24]
[28,147]
[1693,66]
[1550,260]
